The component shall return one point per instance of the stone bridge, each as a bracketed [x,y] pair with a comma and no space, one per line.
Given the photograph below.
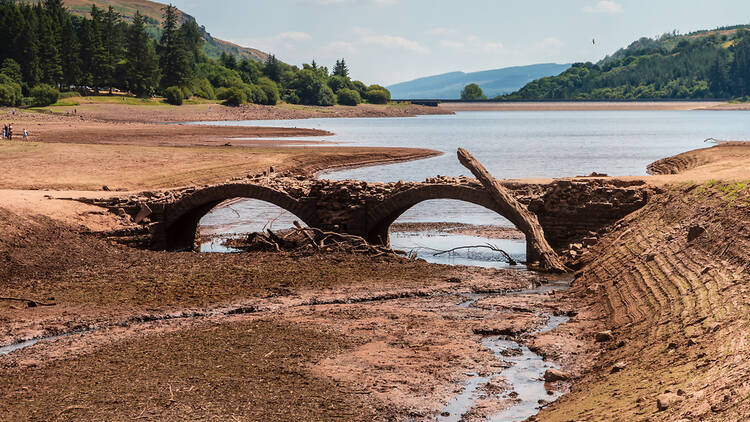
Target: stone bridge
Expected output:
[569,210]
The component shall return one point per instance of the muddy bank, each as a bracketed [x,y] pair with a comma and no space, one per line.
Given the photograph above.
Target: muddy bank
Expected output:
[216,112]
[671,283]
[736,151]
[486,231]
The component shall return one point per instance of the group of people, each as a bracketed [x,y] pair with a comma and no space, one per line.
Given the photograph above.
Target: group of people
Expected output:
[8,133]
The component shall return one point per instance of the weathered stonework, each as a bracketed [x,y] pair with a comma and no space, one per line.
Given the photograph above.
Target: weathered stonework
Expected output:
[568,210]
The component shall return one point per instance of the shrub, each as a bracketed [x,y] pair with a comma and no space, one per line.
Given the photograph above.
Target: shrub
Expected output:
[337,83]
[233,96]
[270,89]
[186,92]
[202,88]
[349,97]
[361,88]
[378,96]
[174,95]
[326,97]
[44,95]
[10,92]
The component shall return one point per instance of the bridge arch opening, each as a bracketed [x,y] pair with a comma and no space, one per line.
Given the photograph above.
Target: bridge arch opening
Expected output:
[434,225]
[181,226]
[236,218]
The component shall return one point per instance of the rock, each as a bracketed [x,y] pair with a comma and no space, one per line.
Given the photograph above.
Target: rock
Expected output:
[105,188]
[604,336]
[552,375]
[664,401]
[619,366]
[455,280]
[695,232]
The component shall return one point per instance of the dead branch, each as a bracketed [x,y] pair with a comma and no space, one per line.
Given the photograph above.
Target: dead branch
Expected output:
[508,258]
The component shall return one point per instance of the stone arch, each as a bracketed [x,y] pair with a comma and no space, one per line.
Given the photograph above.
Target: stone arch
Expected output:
[182,217]
[381,216]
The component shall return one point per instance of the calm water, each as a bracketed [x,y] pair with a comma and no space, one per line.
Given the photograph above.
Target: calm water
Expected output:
[511,145]
[530,144]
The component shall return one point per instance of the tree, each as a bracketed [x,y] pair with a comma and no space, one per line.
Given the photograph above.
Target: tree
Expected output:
[174,58]
[142,66]
[112,41]
[341,69]
[272,68]
[472,92]
[92,54]
[70,60]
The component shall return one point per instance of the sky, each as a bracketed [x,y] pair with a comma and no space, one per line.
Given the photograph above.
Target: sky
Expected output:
[390,41]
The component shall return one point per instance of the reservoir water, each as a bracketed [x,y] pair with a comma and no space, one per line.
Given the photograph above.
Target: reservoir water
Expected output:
[515,144]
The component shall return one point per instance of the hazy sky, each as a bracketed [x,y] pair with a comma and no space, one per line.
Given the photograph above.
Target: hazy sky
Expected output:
[388,41]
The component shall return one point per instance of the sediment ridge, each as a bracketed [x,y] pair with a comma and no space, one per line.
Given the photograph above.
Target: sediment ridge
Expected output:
[671,282]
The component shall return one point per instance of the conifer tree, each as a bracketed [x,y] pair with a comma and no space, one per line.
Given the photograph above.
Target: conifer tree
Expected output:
[142,68]
[174,59]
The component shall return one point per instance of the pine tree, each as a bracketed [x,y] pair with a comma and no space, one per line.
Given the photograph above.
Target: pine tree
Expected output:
[341,69]
[109,24]
[142,69]
[69,57]
[174,59]
[49,56]
[93,56]
[272,68]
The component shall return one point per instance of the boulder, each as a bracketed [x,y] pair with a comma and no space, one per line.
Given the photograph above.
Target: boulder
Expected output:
[553,375]
[666,400]
[604,336]
[695,232]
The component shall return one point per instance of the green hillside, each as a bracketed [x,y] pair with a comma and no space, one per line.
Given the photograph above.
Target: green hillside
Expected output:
[704,64]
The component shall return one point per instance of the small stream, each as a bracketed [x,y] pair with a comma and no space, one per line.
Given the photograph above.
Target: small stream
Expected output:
[525,376]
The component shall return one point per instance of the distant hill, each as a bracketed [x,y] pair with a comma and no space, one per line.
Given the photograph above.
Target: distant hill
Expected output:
[213,47]
[493,82]
[704,64]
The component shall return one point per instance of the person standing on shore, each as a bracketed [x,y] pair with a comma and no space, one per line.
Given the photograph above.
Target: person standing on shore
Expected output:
[25,134]
[10,132]
[5,131]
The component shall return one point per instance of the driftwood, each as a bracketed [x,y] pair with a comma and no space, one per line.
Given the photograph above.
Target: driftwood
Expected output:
[31,303]
[508,258]
[317,239]
[526,221]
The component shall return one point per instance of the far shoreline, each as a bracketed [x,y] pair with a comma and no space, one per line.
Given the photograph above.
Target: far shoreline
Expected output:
[592,106]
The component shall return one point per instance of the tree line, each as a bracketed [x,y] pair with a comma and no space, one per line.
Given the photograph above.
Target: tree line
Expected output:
[46,49]
[670,67]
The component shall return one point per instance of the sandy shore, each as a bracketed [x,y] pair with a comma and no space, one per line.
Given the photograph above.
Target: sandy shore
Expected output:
[83,152]
[593,106]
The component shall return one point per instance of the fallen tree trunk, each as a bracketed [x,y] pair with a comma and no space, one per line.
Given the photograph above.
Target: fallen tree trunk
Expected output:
[538,250]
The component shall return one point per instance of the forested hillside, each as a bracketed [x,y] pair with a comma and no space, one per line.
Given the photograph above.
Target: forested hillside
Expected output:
[45,48]
[706,64]
[152,12]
